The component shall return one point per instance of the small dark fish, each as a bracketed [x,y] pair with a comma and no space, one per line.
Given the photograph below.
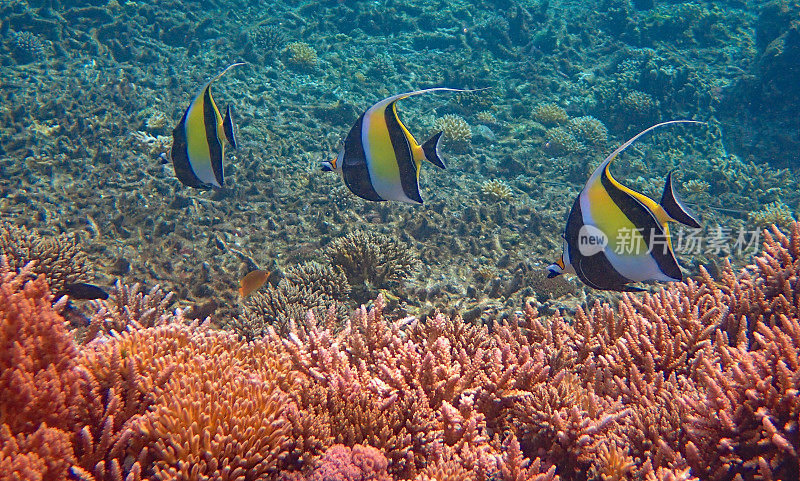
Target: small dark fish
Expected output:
[82,290]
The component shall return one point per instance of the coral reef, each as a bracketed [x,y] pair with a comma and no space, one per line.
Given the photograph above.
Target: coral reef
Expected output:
[59,259]
[639,105]
[588,131]
[276,307]
[266,41]
[327,280]
[696,380]
[550,114]
[26,46]
[301,56]
[496,191]
[456,135]
[129,307]
[559,141]
[486,117]
[341,463]
[776,213]
[370,261]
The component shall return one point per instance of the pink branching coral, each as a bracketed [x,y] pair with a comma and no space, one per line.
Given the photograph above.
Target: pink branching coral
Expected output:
[699,380]
[42,396]
[361,463]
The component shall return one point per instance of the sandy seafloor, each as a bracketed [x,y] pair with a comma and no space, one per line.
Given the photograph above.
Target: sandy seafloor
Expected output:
[90,94]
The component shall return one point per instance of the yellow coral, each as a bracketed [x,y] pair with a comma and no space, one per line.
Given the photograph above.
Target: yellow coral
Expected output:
[550,114]
[496,190]
[486,117]
[776,213]
[456,132]
[301,56]
[696,187]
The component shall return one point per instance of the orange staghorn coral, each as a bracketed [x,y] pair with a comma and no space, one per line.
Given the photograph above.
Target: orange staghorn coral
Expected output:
[45,454]
[745,419]
[38,371]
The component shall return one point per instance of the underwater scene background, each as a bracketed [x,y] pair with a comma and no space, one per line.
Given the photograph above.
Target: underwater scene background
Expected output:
[389,340]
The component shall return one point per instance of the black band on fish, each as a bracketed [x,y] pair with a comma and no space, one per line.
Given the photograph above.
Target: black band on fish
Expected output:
[229,128]
[595,271]
[675,207]
[354,165]
[403,154]
[647,225]
[212,135]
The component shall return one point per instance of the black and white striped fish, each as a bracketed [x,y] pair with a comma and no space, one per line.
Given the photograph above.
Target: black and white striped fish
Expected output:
[197,140]
[615,235]
[380,159]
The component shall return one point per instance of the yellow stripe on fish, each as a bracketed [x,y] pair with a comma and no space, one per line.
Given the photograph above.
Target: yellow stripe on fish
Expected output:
[197,140]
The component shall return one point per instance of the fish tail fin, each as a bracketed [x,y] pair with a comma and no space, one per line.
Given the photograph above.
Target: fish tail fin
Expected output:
[675,207]
[227,126]
[431,150]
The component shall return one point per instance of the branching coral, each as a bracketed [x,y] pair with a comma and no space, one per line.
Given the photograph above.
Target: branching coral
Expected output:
[327,280]
[456,133]
[276,307]
[695,380]
[301,56]
[308,286]
[776,213]
[370,261]
[589,131]
[550,114]
[361,463]
[559,141]
[59,258]
[127,306]
[496,190]
[27,46]
[38,372]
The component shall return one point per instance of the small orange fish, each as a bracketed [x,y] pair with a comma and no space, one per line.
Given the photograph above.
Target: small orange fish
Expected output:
[252,281]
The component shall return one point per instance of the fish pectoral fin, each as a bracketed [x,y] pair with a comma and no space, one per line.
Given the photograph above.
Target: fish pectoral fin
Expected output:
[674,206]
[228,128]
[431,150]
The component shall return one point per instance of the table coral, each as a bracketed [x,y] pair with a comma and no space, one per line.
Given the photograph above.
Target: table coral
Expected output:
[59,258]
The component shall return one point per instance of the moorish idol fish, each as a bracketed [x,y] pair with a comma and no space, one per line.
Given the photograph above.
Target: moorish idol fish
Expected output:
[379,159]
[615,235]
[197,147]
